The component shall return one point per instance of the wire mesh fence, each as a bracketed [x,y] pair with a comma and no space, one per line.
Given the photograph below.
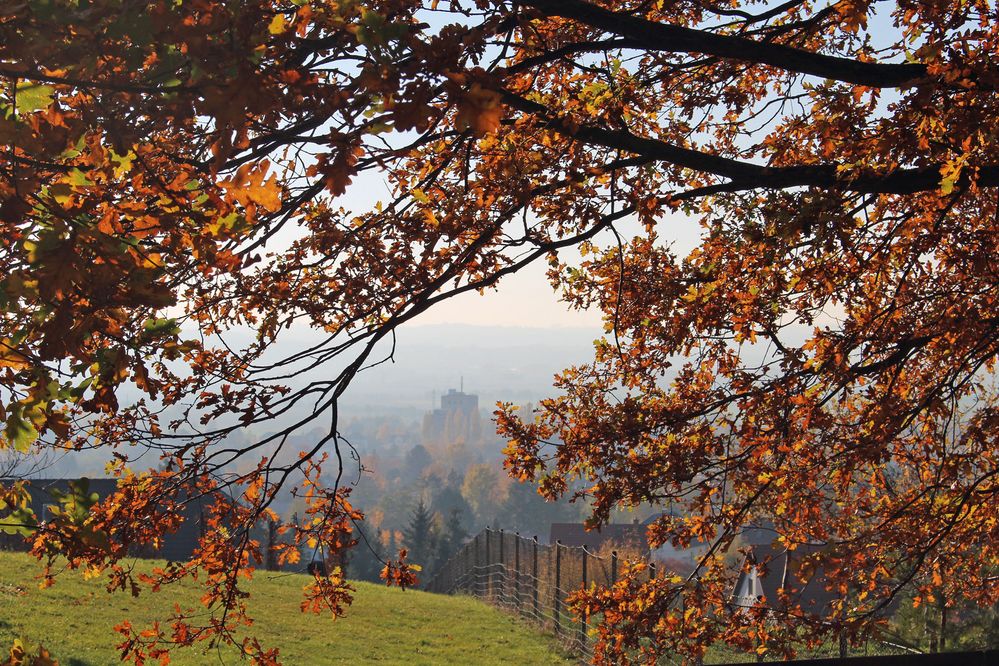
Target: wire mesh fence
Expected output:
[535,581]
[529,578]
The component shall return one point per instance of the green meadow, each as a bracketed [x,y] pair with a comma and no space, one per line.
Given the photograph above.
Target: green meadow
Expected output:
[74,620]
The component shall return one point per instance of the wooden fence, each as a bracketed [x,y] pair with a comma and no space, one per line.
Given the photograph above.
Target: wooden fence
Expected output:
[534,580]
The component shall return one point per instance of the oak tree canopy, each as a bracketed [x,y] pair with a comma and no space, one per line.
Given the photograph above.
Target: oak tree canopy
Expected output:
[820,364]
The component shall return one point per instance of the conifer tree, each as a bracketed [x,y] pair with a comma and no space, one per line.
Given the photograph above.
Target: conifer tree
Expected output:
[420,536]
[452,538]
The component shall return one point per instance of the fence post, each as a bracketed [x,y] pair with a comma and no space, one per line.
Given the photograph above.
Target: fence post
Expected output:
[516,568]
[502,569]
[582,616]
[613,567]
[468,571]
[489,567]
[475,577]
[470,549]
[558,582]
[844,645]
[272,564]
[534,575]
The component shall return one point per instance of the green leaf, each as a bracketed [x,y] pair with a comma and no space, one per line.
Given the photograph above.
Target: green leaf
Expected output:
[20,521]
[33,97]
[77,391]
[75,503]
[20,432]
[123,163]
[161,327]
[79,179]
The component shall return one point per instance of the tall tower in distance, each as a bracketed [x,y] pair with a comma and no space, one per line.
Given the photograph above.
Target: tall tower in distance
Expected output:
[459,401]
[458,416]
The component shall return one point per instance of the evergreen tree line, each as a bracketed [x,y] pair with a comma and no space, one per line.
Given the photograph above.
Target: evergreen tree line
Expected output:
[429,539]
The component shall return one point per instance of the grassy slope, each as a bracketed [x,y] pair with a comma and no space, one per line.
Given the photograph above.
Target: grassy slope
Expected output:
[74,620]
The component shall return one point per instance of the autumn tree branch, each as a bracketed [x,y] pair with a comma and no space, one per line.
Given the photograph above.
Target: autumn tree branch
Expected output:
[656,36]
[747,175]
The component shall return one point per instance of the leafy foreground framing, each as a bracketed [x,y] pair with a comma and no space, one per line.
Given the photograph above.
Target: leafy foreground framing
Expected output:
[820,364]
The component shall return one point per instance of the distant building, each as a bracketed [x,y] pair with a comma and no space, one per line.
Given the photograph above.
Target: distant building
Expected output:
[634,536]
[684,560]
[177,546]
[456,419]
[621,535]
[781,571]
[459,401]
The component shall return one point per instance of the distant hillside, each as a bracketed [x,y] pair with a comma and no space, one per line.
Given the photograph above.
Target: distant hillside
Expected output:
[74,621]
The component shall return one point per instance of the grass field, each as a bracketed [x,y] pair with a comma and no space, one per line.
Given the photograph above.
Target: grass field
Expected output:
[74,621]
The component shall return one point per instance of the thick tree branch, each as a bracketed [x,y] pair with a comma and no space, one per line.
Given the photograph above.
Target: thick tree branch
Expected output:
[677,39]
[746,175]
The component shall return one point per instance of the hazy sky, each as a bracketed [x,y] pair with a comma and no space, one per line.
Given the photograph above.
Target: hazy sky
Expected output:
[523,299]
[527,299]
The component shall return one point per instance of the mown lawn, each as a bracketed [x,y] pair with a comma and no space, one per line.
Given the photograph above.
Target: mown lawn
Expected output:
[74,621]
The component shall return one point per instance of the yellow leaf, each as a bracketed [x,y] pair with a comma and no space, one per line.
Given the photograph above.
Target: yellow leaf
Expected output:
[277,25]
[950,173]
[267,194]
[248,186]
[123,163]
[11,357]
